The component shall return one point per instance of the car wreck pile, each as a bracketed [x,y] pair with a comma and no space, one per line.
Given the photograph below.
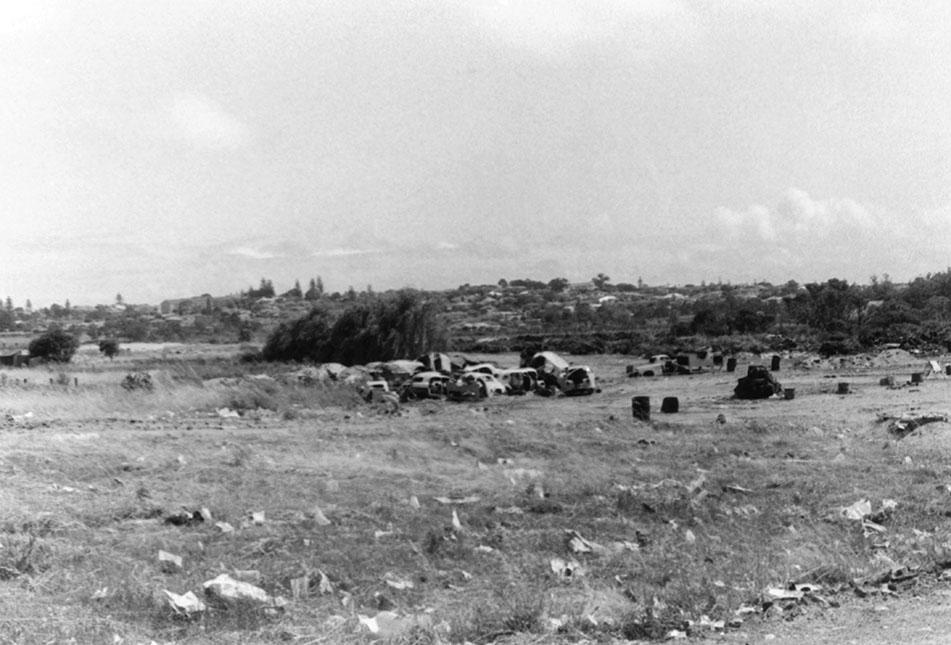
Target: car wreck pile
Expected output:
[458,378]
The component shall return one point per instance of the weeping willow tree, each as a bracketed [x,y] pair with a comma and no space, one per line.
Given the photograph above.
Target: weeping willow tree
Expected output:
[404,324]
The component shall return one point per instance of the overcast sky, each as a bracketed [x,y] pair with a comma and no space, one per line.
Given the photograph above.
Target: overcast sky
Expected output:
[165,149]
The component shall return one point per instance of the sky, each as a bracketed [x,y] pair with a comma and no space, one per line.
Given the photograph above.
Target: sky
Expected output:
[167,149]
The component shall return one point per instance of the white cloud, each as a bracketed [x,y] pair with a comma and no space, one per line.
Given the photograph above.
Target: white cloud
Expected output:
[553,28]
[876,28]
[252,253]
[20,17]
[797,214]
[202,122]
[342,253]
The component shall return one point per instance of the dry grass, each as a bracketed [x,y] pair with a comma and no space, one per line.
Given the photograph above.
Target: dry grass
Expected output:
[87,481]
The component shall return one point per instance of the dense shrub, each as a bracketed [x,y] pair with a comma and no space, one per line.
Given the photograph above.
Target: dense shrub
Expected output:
[109,347]
[400,325]
[55,345]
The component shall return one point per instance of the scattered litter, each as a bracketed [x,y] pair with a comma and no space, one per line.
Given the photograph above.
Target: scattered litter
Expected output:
[382,534]
[715,625]
[689,536]
[169,562]
[734,488]
[697,483]
[186,517]
[517,474]
[300,587]
[319,517]
[508,510]
[482,548]
[100,594]
[567,570]
[373,624]
[224,527]
[578,544]
[400,584]
[186,604]
[229,591]
[676,635]
[247,575]
[903,425]
[791,595]
[857,511]
[227,413]
[257,518]
[414,502]
[778,593]
[325,586]
[861,511]
[471,499]
[456,524]
[390,625]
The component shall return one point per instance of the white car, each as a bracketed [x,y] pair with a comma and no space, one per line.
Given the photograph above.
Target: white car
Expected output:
[656,365]
[492,385]
[484,368]
[425,385]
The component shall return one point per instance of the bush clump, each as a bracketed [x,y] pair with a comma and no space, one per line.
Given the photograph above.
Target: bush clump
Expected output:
[392,326]
[55,345]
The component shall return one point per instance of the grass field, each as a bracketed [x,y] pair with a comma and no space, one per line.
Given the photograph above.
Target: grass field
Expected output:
[519,519]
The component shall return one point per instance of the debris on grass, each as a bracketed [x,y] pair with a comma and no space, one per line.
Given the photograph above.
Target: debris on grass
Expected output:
[230,592]
[185,605]
[224,527]
[414,502]
[324,586]
[254,518]
[857,511]
[903,425]
[247,575]
[390,625]
[861,511]
[470,499]
[400,584]
[227,413]
[318,516]
[300,587]
[565,570]
[456,524]
[185,517]
[785,598]
[734,488]
[169,562]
